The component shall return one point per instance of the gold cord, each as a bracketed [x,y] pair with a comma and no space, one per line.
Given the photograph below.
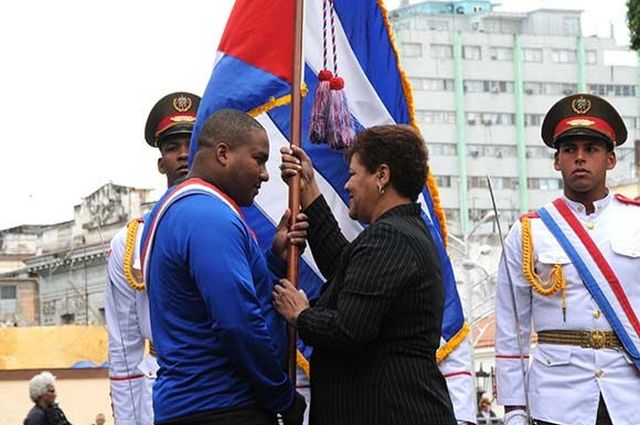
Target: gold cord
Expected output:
[133,277]
[556,280]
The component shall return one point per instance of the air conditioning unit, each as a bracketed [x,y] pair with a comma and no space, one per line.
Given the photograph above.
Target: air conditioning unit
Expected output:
[471,122]
[474,153]
[528,91]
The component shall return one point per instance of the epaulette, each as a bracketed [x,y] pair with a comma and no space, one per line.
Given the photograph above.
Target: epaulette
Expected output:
[530,214]
[133,276]
[626,200]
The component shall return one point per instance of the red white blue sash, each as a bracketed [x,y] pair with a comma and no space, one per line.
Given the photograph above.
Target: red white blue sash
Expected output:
[186,188]
[596,273]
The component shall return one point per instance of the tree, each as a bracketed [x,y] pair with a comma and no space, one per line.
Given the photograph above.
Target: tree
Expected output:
[633,22]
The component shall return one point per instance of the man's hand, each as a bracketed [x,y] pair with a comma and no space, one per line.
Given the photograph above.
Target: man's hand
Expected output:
[295,415]
[296,235]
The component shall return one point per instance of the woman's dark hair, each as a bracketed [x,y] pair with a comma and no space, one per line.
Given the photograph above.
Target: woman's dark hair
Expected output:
[402,148]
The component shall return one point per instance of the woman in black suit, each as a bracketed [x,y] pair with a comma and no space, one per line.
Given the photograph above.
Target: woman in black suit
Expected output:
[376,327]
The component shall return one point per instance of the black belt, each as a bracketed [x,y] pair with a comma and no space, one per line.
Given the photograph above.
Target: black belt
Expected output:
[231,416]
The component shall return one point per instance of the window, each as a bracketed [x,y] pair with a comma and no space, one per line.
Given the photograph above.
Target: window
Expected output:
[443,181]
[629,122]
[477,182]
[533,119]
[432,84]
[436,117]
[471,52]
[8,292]
[442,149]
[591,57]
[67,318]
[474,86]
[560,88]
[411,50]
[563,56]
[452,214]
[571,26]
[625,90]
[441,51]
[530,87]
[501,53]
[532,55]
[500,86]
[539,152]
[437,25]
[544,184]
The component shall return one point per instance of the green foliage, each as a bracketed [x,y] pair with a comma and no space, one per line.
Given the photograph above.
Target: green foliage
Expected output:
[633,22]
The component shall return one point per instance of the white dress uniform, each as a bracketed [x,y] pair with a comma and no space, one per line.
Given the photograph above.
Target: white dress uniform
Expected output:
[456,369]
[566,381]
[131,372]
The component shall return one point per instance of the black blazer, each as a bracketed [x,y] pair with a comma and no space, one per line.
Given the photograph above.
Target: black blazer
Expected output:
[376,327]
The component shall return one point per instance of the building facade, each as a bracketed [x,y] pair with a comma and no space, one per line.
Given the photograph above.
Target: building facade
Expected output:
[483,81]
[61,273]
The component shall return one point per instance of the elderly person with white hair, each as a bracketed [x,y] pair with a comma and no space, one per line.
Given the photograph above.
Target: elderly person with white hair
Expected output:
[43,393]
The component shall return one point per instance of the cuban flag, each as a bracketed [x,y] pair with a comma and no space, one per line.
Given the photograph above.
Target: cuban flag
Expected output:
[252,73]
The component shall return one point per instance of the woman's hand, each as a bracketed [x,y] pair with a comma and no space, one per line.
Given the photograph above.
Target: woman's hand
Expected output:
[296,162]
[288,301]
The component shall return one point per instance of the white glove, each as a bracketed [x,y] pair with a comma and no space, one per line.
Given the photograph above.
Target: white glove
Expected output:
[516,417]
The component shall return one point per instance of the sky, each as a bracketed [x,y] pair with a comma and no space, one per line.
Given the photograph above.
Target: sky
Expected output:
[78,79]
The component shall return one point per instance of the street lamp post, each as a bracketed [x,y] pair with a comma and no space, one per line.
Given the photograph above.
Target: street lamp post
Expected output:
[467,265]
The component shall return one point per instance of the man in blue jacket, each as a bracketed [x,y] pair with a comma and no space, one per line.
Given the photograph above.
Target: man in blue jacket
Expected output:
[221,346]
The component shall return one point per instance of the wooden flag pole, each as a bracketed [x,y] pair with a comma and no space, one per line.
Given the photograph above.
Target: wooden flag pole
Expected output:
[293,254]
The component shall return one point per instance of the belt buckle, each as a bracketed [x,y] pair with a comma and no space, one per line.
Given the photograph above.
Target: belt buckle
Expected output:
[597,339]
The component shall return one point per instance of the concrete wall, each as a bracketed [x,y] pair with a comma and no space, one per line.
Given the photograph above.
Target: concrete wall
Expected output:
[51,346]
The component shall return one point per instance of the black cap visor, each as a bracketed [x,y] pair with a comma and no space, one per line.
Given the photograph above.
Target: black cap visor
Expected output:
[582,132]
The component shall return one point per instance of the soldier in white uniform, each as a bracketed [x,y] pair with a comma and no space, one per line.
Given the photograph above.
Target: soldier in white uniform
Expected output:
[131,372]
[574,273]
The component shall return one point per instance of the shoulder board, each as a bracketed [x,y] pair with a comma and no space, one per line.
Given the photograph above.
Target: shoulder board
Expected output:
[626,200]
[531,214]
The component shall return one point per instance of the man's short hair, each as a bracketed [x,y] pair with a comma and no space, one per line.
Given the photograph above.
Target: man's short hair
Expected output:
[227,125]
[38,385]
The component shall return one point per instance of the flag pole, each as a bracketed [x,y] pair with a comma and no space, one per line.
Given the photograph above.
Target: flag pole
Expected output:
[293,253]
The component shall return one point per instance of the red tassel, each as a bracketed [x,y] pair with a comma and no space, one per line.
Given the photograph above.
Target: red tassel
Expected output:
[320,112]
[339,129]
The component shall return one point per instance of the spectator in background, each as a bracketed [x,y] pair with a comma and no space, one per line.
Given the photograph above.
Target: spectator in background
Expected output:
[100,420]
[43,394]
[486,416]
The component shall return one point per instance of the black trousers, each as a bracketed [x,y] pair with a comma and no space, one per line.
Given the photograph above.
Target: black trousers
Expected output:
[233,416]
[603,417]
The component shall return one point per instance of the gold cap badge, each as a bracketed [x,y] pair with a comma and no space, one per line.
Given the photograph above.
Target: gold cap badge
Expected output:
[181,103]
[581,105]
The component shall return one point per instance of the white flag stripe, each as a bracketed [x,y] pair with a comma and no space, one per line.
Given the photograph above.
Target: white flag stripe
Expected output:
[363,100]
[424,206]
[273,194]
